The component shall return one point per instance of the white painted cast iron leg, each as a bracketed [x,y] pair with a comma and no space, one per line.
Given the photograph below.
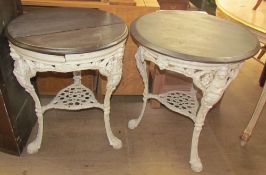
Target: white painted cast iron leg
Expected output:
[141,65]
[211,95]
[113,78]
[195,161]
[24,73]
[113,140]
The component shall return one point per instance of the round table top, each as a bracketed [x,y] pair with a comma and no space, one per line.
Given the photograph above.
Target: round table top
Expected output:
[63,31]
[242,11]
[194,36]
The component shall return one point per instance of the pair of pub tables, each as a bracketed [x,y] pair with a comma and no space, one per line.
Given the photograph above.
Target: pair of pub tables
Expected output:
[207,49]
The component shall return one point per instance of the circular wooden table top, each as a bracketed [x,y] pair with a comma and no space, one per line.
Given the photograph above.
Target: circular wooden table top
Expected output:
[194,36]
[63,31]
[242,11]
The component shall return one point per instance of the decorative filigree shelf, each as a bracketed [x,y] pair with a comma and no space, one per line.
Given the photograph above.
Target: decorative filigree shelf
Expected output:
[183,102]
[74,97]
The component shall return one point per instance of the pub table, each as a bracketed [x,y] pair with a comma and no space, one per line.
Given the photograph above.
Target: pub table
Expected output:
[208,50]
[68,40]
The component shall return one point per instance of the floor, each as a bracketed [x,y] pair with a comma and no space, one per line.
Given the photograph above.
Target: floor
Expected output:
[76,143]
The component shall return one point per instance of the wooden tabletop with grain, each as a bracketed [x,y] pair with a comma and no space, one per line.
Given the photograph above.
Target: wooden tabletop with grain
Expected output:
[194,36]
[242,11]
[63,31]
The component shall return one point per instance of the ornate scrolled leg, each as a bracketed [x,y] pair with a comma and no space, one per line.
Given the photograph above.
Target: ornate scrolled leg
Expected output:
[141,65]
[113,80]
[113,73]
[24,73]
[195,161]
[212,84]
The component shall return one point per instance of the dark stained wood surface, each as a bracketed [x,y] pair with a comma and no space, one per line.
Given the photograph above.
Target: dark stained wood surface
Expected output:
[67,30]
[194,36]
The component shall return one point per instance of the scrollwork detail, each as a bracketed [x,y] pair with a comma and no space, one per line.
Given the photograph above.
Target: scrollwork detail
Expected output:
[107,61]
[212,79]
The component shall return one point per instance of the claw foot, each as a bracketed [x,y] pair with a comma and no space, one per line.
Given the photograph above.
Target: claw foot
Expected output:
[196,166]
[116,143]
[33,147]
[132,124]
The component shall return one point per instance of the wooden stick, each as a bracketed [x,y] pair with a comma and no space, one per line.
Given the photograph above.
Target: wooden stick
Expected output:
[257,4]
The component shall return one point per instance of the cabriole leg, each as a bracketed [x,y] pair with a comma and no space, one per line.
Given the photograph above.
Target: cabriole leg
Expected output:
[113,78]
[213,85]
[195,161]
[111,84]
[141,65]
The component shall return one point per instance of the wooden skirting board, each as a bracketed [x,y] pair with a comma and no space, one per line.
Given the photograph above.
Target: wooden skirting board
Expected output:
[128,10]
